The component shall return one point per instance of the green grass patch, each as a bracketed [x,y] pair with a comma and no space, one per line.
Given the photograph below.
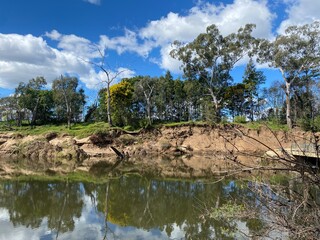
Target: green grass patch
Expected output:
[280,179]
[77,130]
[82,130]
[181,124]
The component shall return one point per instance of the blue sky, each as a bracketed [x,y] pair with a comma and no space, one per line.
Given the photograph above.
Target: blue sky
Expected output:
[49,38]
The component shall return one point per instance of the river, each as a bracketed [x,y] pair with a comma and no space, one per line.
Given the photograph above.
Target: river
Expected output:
[131,207]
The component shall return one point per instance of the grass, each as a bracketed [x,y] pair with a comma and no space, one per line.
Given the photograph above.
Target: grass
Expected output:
[181,124]
[77,130]
[82,130]
[280,178]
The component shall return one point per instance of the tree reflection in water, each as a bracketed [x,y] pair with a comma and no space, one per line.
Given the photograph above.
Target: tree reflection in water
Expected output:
[28,203]
[154,208]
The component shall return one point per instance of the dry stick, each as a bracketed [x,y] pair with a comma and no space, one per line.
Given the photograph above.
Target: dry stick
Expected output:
[247,154]
[271,149]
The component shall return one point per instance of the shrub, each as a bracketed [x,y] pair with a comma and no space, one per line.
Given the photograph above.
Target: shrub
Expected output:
[240,119]
[310,124]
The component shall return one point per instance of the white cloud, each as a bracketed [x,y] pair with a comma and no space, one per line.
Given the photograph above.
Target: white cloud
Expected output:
[301,12]
[229,18]
[167,62]
[74,44]
[95,2]
[126,43]
[54,35]
[23,57]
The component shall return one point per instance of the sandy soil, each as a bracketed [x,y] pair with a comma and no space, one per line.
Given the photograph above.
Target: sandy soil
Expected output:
[185,151]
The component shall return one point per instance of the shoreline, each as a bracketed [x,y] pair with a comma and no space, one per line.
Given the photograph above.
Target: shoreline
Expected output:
[178,152]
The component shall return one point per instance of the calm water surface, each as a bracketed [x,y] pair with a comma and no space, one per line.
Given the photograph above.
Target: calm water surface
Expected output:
[125,208]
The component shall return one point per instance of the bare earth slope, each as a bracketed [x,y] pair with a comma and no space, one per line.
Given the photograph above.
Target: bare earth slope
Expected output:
[185,151]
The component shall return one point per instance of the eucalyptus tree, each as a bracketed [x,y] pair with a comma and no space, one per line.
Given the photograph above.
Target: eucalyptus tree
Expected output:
[31,95]
[144,90]
[296,53]
[68,99]
[210,58]
[8,107]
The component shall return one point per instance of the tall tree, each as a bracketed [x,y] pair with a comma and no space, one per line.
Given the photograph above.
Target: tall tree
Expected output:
[121,102]
[110,78]
[179,103]
[275,98]
[252,79]
[164,97]
[296,53]
[145,91]
[236,99]
[31,95]
[193,89]
[67,97]
[8,108]
[210,58]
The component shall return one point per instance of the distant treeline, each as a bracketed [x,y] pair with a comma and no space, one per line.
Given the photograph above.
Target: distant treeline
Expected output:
[207,92]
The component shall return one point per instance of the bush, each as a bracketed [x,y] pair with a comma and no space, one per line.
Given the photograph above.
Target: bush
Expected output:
[316,123]
[310,124]
[240,119]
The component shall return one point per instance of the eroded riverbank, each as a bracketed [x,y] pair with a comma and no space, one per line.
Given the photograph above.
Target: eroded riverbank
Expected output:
[184,151]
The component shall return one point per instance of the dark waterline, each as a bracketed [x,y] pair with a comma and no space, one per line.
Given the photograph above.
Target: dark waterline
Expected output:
[134,207]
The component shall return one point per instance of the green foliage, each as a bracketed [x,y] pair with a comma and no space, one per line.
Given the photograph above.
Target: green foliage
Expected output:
[69,100]
[33,97]
[296,54]
[235,97]
[207,93]
[211,57]
[144,90]
[281,179]
[129,128]
[240,119]
[121,102]
[310,124]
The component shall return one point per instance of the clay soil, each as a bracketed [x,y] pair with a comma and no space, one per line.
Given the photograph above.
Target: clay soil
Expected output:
[184,151]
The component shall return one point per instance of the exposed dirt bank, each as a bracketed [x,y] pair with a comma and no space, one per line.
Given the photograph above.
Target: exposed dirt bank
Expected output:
[185,151]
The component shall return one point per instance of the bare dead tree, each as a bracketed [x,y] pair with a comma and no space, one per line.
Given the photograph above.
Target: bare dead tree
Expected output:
[110,77]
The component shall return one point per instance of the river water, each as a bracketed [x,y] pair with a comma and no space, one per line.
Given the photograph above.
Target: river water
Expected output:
[130,207]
